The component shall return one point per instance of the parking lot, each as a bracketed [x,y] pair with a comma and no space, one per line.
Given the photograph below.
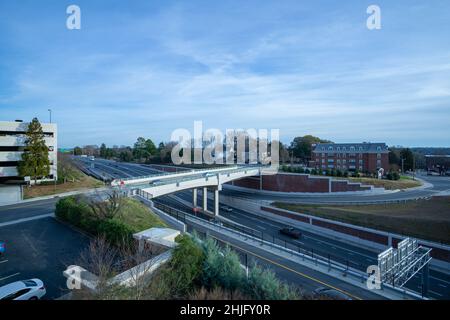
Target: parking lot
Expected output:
[40,248]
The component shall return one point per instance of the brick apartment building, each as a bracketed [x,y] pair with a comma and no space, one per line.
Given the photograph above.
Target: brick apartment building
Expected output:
[364,157]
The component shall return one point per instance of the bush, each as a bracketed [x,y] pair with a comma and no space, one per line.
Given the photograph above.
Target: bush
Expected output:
[307,171]
[221,269]
[115,232]
[184,269]
[263,285]
[74,212]
[339,173]
[314,172]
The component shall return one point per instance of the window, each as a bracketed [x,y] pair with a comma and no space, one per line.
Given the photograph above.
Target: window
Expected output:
[352,149]
[378,148]
[360,162]
[17,294]
[338,148]
[378,155]
[379,163]
[360,149]
[330,148]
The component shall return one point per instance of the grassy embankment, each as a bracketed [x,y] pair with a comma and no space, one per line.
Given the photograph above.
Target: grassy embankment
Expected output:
[403,183]
[70,178]
[426,219]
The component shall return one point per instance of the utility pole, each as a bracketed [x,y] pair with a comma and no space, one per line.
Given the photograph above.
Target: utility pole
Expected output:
[403,167]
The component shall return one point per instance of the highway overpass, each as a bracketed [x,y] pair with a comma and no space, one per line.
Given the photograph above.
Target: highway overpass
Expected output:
[157,185]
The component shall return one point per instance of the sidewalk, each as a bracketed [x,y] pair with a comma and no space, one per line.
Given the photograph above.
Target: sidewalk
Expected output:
[58,195]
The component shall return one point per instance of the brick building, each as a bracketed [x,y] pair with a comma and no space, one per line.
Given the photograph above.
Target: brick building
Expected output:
[364,157]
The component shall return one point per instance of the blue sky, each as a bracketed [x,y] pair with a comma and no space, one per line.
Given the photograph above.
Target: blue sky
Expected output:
[145,68]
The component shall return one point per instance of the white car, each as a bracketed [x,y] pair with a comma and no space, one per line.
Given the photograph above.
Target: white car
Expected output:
[32,289]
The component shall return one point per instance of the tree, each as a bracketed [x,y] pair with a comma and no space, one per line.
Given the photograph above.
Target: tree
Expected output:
[77,151]
[126,155]
[103,151]
[140,149]
[35,162]
[150,148]
[301,147]
[408,159]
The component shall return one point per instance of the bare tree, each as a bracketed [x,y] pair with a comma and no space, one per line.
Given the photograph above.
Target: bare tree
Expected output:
[108,209]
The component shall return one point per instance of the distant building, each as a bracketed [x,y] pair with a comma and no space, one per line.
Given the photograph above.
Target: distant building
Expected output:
[364,157]
[12,145]
[438,163]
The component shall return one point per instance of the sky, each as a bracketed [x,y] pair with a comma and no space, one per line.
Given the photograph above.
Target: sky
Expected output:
[146,68]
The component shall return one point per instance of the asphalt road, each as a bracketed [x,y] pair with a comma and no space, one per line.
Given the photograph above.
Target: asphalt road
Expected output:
[356,257]
[41,248]
[113,169]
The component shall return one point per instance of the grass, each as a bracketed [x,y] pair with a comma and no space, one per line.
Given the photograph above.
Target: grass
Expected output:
[70,178]
[403,183]
[138,216]
[425,219]
[83,182]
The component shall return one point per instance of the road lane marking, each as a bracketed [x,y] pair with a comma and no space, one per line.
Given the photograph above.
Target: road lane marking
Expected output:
[42,216]
[289,269]
[3,261]
[10,276]
[435,293]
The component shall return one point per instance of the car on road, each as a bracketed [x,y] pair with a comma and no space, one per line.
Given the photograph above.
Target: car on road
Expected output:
[32,289]
[226,208]
[330,294]
[2,248]
[291,232]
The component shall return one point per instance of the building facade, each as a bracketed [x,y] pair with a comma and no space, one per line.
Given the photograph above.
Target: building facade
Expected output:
[363,157]
[438,163]
[12,145]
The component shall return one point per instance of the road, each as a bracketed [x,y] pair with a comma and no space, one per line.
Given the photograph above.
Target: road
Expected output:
[113,169]
[347,254]
[43,248]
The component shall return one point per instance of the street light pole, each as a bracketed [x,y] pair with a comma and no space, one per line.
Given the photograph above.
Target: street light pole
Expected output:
[50,111]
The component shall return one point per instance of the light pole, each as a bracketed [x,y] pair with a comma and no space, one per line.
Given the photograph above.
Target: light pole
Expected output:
[50,111]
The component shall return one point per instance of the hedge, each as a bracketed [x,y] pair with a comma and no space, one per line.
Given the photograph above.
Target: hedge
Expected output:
[80,215]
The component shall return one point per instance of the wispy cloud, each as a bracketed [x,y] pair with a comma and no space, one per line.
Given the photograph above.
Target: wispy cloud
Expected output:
[262,66]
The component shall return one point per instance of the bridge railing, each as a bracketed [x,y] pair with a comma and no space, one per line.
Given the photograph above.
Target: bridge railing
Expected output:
[187,175]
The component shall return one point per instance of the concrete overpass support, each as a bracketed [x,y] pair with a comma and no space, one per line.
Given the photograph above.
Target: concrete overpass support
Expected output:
[194,197]
[205,199]
[216,202]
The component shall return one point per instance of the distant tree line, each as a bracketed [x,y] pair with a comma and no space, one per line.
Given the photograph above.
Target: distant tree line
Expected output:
[143,150]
